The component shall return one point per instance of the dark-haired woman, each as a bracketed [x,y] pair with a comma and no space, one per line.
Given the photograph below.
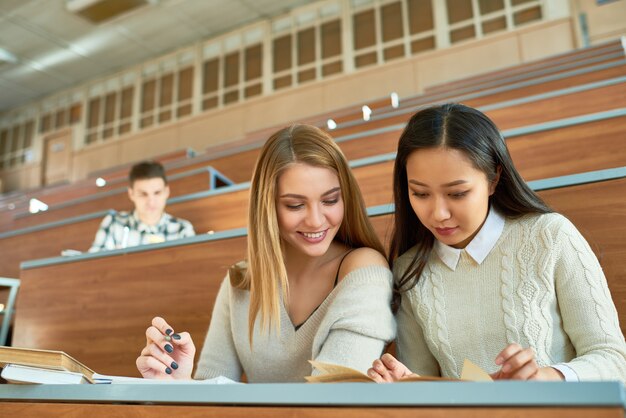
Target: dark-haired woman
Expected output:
[486,271]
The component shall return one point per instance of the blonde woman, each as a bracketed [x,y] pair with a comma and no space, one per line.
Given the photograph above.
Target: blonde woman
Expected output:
[315,285]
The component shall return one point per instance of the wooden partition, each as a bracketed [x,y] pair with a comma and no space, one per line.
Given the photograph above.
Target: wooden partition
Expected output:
[57,193]
[566,106]
[510,115]
[553,64]
[575,149]
[97,310]
[112,298]
[577,78]
[121,171]
[485,95]
[44,243]
[194,182]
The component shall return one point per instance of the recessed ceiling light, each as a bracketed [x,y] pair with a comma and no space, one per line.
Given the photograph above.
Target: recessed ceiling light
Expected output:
[6,56]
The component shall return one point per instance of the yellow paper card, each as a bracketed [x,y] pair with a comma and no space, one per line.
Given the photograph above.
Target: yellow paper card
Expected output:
[474,373]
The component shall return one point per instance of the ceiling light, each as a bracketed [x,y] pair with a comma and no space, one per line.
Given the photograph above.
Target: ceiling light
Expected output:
[6,56]
[100,182]
[331,124]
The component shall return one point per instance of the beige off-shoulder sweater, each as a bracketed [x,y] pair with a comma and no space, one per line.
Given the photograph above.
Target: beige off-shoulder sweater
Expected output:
[351,328]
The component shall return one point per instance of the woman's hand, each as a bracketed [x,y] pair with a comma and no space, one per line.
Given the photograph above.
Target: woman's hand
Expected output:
[167,355]
[388,369]
[519,363]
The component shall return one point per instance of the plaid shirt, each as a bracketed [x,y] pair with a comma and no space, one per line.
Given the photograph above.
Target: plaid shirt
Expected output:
[124,229]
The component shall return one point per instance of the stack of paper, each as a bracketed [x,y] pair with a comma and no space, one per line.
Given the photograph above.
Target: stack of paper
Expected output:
[16,373]
[105,379]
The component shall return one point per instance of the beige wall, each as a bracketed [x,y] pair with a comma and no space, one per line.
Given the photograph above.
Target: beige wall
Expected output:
[406,77]
[605,22]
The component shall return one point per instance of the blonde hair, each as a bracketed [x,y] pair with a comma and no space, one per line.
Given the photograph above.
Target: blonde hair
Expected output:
[265,271]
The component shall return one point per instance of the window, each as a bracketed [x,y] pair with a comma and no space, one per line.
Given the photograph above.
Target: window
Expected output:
[364,33]
[392,31]
[232,69]
[16,143]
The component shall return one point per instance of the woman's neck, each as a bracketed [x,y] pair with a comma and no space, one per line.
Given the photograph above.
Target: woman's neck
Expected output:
[299,265]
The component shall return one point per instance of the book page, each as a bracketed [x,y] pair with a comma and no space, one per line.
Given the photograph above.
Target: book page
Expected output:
[474,373]
[335,373]
[103,379]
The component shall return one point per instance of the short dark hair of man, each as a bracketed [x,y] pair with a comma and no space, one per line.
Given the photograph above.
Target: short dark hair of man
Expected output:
[146,170]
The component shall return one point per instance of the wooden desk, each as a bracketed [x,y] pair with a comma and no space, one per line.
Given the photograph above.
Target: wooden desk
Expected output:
[342,400]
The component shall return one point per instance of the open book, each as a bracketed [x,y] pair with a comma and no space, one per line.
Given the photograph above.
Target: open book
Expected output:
[46,360]
[333,373]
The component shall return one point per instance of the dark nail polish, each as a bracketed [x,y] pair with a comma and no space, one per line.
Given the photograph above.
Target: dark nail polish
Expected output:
[176,336]
[168,331]
[169,348]
[168,370]
[174,365]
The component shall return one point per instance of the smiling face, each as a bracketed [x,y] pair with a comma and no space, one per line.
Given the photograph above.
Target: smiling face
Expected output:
[309,207]
[448,194]
[149,197]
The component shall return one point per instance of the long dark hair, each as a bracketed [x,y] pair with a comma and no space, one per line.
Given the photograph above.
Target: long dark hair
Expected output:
[463,128]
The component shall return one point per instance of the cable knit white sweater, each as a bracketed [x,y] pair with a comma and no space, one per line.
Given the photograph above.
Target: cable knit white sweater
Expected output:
[541,286]
[351,328]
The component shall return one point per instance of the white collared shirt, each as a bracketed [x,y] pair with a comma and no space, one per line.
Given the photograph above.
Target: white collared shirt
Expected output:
[480,246]
[478,249]
[125,229]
